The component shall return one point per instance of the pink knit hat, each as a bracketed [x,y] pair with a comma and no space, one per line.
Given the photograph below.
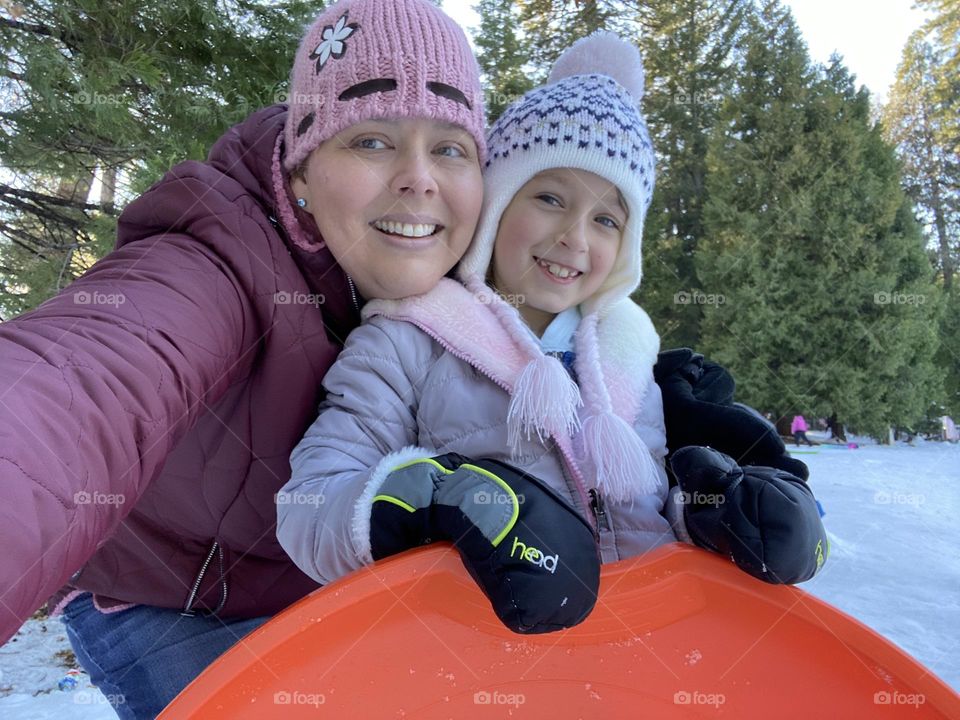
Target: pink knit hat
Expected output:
[377,59]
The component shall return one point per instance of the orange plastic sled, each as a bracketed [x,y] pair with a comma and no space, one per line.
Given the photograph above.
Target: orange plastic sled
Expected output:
[677,633]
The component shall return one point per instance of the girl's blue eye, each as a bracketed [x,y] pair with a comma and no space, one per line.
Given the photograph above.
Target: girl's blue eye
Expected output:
[370,143]
[549,199]
[609,222]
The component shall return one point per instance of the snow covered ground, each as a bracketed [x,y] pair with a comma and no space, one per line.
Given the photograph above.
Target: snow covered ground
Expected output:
[892,514]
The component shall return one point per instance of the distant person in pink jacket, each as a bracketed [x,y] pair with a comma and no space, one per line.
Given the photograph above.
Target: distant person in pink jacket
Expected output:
[799,429]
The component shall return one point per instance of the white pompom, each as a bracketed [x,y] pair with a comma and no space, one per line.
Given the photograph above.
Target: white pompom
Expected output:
[602,53]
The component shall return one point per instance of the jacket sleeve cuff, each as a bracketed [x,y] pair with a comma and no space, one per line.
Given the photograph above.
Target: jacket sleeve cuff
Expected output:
[673,511]
[360,526]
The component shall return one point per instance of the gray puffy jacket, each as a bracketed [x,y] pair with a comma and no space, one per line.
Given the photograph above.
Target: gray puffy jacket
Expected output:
[433,375]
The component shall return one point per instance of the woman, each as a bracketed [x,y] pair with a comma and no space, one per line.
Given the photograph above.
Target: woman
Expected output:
[151,407]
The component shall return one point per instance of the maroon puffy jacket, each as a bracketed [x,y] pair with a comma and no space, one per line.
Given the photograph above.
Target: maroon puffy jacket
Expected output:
[149,410]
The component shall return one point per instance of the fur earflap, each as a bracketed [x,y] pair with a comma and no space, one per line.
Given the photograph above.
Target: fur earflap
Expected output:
[603,53]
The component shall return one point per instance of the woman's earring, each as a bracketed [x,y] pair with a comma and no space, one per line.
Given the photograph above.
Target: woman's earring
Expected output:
[301,202]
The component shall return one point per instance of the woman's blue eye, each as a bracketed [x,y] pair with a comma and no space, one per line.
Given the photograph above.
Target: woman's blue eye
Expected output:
[451,151]
[370,144]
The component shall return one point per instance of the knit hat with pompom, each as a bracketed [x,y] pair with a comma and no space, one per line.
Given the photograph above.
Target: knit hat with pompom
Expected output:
[586,117]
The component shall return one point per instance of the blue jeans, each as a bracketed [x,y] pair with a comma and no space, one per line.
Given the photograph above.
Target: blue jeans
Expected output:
[142,657]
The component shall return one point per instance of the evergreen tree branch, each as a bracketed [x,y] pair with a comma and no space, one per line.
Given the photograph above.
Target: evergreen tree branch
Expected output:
[22,240]
[44,199]
[44,214]
[39,29]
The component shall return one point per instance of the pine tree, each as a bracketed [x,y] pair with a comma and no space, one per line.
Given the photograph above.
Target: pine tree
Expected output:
[918,122]
[690,50]
[554,25]
[948,357]
[922,118]
[502,54]
[117,92]
[943,28]
[827,303]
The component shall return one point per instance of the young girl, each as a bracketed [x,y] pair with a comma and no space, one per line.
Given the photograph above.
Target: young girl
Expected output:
[505,412]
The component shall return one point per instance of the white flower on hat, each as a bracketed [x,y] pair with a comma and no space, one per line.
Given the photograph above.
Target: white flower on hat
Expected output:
[333,43]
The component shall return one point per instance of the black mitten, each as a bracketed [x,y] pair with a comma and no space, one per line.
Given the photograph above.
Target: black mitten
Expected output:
[698,409]
[765,519]
[532,554]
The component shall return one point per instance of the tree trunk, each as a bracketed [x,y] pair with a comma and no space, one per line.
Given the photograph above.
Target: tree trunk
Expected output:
[109,191]
[783,426]
[946,257]
[75,189]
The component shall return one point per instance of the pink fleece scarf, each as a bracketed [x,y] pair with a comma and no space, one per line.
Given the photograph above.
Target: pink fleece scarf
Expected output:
[615,357]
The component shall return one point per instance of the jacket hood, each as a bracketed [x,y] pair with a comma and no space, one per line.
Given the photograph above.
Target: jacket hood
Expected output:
[244,152]
[237,171]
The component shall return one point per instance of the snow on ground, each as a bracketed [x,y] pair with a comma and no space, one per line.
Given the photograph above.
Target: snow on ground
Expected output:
[30,670]
[892,515]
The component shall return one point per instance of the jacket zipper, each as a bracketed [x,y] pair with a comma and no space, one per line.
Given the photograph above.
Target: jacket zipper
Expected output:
[571,472]
[353,293]
[599,509]
[223,581]
[353,290]
[568,463]
[573,487]
[188,610]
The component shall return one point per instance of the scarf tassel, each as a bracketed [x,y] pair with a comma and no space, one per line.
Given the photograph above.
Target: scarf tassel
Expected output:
[544,403]
[624,466]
